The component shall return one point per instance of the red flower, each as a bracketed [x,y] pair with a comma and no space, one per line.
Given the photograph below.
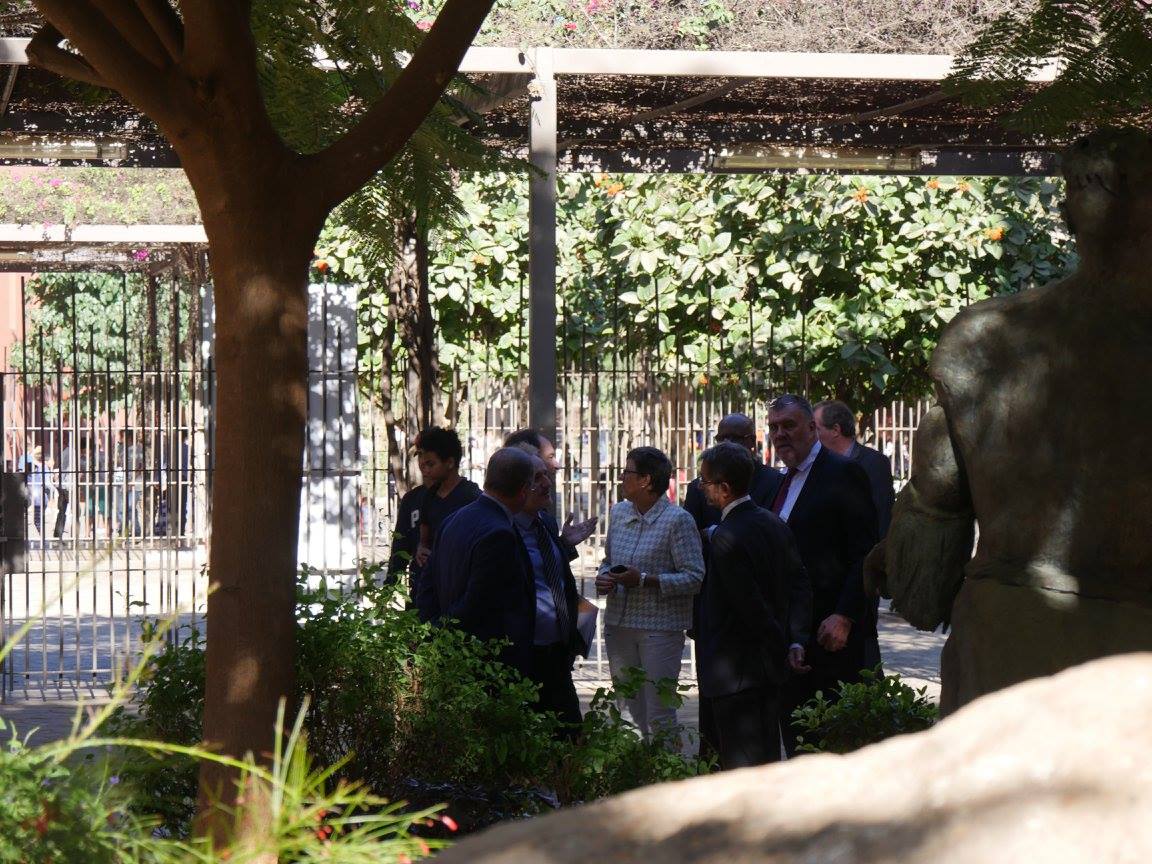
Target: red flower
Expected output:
[449,823]
[570,26]
[322,266]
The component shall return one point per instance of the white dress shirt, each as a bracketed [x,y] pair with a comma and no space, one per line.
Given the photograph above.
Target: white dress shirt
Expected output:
[799,478]
[732,505]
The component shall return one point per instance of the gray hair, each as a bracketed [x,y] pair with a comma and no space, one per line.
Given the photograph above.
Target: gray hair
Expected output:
[837,413]
[508,472]
[791,400]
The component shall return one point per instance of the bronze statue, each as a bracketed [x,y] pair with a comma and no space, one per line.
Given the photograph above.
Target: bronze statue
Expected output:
[1041,436]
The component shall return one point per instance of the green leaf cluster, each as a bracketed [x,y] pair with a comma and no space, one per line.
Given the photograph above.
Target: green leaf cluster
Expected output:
[866,712]
[746,281]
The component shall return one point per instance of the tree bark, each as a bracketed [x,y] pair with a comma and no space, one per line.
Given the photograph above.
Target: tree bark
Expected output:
[260,264]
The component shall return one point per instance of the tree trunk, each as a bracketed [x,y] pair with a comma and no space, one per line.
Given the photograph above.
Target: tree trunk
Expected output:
[417,329]
[260,267]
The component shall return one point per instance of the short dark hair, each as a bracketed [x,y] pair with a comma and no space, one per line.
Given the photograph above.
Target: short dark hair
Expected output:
[524,436]
[509,470]
[652,463]
[445,443]
[730,463]
[791,400]
[836,413]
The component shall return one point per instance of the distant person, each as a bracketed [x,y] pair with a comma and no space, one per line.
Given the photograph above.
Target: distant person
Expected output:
[479,575]
[556,639]
[39,484]
[439,454]
[753,617]
[827,502]
[836,428]
[65,478]
[653,566]
[572,534]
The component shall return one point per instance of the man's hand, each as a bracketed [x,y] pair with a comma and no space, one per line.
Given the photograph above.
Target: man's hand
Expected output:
[423,553]
[833,632]
[796,660]
[576,533]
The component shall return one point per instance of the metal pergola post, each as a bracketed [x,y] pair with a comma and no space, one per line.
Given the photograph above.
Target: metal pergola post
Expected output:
[542,383]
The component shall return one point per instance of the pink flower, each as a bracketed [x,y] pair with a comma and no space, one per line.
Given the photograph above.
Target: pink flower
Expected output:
[570,26]
[55,182]
[140,255]
[424,24]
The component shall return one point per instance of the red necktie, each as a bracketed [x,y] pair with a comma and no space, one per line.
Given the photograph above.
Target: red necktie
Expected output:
[782,492]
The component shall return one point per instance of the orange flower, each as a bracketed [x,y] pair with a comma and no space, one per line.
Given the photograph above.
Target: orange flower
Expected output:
[962,186]
[615,189]
[933,183]
[702,380]
[861,195]
[994,234]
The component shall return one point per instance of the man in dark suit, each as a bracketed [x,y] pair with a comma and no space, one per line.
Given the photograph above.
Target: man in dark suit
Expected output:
[754,614]
[736,429]
[556,640]
[479,574]
[739,429]
[836,429]
[827,502]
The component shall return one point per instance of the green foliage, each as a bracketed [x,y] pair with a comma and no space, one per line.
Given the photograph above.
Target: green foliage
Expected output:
[50,812]
[411,711]
[93,323]
[866,712]
[96,196]
[1104,50]
[745,279]
[610,757]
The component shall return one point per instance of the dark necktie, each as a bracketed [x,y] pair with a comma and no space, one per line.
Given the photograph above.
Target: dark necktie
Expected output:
[553,576]
[782,492]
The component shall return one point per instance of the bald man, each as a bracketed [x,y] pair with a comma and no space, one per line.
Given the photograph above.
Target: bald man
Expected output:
[739,429]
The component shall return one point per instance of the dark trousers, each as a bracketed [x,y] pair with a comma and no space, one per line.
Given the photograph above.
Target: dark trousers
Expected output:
[743,729]
[61,514]
[552,670]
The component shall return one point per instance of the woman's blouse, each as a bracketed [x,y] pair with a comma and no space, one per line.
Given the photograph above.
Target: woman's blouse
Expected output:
[663,542]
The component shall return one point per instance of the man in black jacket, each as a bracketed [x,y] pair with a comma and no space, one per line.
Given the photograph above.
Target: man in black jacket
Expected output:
[737,429]
[753,617]
[836,428]
[827,502]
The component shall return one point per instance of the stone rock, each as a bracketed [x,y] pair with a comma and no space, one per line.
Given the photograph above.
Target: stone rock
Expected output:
[1053,770]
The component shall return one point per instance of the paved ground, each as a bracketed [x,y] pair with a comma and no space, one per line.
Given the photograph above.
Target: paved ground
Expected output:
[52,711]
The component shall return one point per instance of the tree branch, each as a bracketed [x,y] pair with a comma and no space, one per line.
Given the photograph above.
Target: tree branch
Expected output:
[108,52]
[345,166]
[44,51]
[165,23]
[130,22]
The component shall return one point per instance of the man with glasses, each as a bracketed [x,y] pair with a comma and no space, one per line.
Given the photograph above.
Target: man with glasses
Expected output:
[754,615]
[479,575]
[556,639]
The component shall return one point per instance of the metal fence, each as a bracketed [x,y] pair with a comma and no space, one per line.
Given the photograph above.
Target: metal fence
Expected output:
[108,474]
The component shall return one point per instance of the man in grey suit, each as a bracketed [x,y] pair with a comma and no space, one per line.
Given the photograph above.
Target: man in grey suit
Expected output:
[836,428]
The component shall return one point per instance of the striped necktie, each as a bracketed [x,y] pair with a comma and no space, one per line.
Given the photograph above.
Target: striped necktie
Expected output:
[553,576]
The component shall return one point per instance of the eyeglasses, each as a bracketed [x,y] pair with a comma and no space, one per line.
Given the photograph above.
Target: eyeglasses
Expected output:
[629,471]
[704,482]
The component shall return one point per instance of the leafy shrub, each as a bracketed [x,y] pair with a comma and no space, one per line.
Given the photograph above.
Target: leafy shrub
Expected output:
[411,711]
[47,812]
[611,757]
[866,712]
